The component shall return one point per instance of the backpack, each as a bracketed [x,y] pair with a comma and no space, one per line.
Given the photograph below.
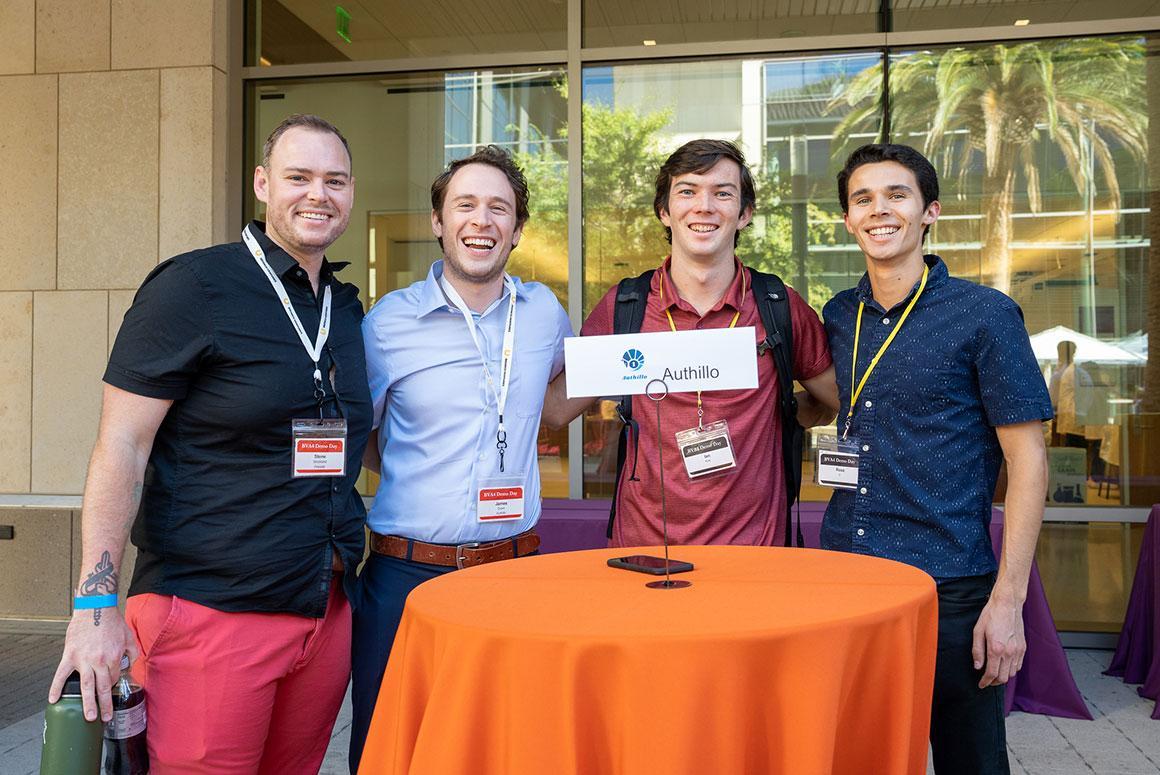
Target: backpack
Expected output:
[773,305]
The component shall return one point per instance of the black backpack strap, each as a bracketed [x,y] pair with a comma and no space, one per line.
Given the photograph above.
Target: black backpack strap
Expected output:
[773,305]
[627,318]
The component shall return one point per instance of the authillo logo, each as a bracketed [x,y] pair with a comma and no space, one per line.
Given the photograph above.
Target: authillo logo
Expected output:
[633,359]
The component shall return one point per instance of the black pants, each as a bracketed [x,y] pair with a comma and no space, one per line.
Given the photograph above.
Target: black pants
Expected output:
[968,734]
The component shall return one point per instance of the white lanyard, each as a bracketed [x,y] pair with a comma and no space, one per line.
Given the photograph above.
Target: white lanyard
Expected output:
[509,338]
[313,350]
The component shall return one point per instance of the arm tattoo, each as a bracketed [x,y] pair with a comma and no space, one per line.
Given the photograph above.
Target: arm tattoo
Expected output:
[137,488]
[102,581]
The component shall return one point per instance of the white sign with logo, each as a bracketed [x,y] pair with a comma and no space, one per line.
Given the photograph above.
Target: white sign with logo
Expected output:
[687,361]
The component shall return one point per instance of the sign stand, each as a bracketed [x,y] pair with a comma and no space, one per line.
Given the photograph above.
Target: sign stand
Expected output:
[656,396]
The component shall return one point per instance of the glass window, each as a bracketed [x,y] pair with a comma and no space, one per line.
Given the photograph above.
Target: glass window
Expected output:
[613,23]
[403,130]
[909,15]
[1042,153]
[1041,148]
[284,32]
[1087,571]
[782,113]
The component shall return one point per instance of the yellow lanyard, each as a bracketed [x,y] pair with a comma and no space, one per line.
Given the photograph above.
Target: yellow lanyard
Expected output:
[673,326]
[855,392]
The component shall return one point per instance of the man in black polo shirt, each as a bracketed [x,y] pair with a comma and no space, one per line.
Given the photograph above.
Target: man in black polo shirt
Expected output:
[235,414]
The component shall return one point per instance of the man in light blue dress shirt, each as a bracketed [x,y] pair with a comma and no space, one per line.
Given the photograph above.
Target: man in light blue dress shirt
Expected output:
[458,366]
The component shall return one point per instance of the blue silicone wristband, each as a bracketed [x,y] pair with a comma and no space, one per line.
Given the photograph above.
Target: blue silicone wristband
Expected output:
[95,601]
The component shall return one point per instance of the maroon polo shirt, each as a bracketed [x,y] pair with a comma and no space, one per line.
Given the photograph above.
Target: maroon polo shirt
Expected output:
[746,504]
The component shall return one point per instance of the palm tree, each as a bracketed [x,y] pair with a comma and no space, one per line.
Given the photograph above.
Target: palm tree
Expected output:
[1086,96]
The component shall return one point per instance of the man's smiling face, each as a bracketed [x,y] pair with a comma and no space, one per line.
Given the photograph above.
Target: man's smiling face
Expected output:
[885,212]
[478,224]
[704,212]
[308,191]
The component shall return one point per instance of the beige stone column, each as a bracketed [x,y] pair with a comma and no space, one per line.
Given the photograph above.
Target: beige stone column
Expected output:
[114,140]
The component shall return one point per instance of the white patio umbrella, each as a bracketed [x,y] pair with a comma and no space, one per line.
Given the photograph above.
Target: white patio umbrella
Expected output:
[1088,349]
[1136,342]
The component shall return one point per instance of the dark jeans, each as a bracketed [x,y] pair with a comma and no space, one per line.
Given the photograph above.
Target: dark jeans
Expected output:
[377,607]
[968,734]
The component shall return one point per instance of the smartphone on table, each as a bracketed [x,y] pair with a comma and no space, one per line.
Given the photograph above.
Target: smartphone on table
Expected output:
[644,563]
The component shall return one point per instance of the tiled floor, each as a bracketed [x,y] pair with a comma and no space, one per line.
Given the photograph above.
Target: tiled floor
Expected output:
[1121,740]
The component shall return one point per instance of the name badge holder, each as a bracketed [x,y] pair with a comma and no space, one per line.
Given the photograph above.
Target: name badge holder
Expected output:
[837,460]
[500,499]
[319,447]
[837,463]
[706,450]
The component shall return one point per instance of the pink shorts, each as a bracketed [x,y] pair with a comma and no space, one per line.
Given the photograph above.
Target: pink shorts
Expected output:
[239,692]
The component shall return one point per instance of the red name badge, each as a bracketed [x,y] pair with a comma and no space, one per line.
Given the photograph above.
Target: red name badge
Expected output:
[496,504]
[319,447]
[319,457]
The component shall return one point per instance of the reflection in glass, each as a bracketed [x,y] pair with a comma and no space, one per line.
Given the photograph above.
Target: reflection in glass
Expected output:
[613,23]
[1087,572]
[1041,148]
[285,32]
[908,15]
[403,130]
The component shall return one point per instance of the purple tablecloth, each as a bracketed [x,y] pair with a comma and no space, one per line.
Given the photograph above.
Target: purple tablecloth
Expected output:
[1044,685]
[1137,657]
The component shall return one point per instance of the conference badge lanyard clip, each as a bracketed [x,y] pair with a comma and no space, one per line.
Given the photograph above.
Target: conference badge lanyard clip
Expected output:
[708,448]
[838,458]
[497,498]
[837,462]
[318,445]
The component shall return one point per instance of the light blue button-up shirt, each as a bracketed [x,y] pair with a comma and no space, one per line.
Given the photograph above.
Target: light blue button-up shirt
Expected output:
[436,415]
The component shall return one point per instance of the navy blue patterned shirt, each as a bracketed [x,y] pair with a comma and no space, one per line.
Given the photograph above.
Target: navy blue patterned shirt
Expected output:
[925,421]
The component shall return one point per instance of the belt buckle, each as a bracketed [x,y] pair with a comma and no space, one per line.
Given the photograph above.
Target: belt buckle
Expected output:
[459,548]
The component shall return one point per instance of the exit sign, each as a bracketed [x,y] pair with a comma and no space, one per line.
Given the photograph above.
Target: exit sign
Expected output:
[343,22]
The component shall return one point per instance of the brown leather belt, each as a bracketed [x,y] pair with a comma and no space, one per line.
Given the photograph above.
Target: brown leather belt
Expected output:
[456,555]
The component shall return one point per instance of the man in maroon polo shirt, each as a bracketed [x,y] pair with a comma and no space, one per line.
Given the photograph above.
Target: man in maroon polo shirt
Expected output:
[704,197]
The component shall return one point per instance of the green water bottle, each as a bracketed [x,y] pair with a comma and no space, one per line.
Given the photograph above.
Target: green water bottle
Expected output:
[72,746]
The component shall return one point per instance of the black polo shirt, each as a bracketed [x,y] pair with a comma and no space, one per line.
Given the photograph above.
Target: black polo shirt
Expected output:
[222,521]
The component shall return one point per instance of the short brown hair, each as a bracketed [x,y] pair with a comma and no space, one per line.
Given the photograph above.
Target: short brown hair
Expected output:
[304,121]
[493,156]
[699,156]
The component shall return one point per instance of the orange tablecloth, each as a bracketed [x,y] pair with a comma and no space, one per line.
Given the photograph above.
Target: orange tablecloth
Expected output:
[774,661]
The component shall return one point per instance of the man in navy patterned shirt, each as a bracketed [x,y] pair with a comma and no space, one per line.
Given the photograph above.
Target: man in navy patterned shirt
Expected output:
[955,392]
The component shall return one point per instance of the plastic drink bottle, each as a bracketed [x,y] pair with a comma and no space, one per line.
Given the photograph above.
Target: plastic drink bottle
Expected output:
[125,750]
